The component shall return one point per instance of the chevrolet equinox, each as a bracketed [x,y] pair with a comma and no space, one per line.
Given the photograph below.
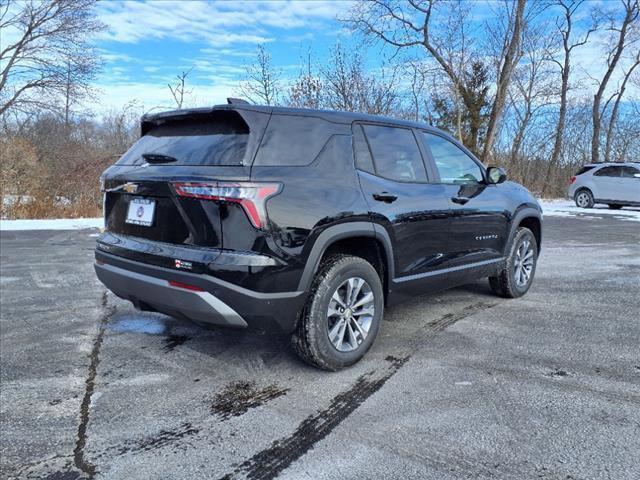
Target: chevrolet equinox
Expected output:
[306,222]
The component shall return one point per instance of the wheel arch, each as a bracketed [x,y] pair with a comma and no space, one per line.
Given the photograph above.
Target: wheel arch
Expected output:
[347,235]
[530,218]
[582,188]
[589,190]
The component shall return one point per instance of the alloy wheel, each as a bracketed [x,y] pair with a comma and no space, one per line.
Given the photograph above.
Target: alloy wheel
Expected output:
[350,314]
[523,263]
[582,200]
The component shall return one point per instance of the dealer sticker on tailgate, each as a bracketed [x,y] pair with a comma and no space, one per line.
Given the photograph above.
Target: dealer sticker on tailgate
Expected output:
[141,211]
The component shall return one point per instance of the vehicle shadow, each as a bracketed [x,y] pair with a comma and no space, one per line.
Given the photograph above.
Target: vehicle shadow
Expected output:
[239,350]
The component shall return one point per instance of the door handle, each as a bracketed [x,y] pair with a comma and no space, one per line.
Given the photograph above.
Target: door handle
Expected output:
[460,200]
[385,197]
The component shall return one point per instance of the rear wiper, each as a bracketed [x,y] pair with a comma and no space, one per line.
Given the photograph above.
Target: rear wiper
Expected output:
[158,158]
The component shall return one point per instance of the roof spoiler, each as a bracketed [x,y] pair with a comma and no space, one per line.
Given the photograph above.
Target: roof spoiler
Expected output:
[236,101]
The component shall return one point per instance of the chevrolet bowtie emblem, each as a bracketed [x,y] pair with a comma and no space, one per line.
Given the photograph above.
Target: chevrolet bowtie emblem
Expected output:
[130,187]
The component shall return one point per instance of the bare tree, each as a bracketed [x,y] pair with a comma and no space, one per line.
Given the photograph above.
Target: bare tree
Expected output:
[262,82]
[76,89]
[411,25]
[532,92]
[179,90]
[119,129]
[616,106]
[306,91]
[508,62]
[417,79]
[564,27]
[48,53]
[349,87]
[623,33]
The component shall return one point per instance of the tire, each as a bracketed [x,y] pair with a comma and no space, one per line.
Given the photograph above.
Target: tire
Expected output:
[311,339]
[507,284]
[614,206]
[584,198]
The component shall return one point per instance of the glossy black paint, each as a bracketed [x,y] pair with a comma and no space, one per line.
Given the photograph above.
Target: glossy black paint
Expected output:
[417,222]
[433,235]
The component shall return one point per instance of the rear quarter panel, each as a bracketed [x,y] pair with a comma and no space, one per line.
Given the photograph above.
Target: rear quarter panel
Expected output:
[314,198]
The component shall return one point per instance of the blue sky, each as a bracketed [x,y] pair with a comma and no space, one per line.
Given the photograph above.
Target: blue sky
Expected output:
[147,43]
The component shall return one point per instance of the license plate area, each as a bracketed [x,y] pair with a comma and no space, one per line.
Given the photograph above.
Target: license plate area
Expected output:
[141,211]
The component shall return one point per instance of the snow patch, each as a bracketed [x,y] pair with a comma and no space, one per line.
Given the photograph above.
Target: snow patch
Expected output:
[567,208]
[52,224]
[551,208]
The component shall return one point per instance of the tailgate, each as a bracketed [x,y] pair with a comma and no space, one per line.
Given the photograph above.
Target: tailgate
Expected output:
[176,220]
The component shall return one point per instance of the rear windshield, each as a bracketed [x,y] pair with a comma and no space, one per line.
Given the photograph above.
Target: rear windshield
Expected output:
[584,170]
[217,139]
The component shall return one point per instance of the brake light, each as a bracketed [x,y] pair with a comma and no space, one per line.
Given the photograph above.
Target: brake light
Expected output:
[252,196]
[572,179]
[186,286]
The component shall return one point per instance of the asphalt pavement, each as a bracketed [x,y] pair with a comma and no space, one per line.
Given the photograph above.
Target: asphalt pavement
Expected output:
[460,384]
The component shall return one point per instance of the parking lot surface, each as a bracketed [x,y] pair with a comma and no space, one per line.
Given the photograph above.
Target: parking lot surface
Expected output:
[460,384]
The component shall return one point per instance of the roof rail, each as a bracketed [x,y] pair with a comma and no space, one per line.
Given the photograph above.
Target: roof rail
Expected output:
[236,101]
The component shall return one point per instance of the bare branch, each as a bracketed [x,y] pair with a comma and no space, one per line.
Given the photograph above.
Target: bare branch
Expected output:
[51,53]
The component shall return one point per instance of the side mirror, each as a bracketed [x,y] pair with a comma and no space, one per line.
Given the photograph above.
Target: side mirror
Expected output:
[496,175]
[637,175]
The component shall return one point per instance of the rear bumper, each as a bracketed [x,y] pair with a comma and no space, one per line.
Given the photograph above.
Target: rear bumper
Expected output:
[163,297]
[218,303]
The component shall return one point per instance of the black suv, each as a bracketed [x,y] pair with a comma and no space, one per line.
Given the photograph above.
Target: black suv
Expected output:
[306,222]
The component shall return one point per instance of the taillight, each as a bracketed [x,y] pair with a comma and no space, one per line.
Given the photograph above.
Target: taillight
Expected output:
[572,179]
[251,196]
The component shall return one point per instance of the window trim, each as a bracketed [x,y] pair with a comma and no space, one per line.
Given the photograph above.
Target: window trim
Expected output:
[465,150]
[355,126]
[373,158]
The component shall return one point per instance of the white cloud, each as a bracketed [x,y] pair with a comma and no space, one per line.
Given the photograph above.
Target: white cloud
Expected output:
[218,23]
[156,96]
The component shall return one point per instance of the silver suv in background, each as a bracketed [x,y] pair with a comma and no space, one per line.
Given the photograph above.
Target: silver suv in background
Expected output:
[616,184]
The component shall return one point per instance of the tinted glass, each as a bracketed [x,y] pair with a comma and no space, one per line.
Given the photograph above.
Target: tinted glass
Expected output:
[608,172]
[361,150]
[629,172]
[293,140]
[395,153]
[584,170]
[454,165]
[218,140]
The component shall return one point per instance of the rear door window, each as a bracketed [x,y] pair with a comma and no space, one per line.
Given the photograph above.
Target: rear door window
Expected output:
[608,172]
[219,139]
[396,155]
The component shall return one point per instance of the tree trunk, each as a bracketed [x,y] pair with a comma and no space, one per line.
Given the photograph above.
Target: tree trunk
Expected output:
[614,112]
[562,118]
[504,78]
[596,115]
[517,141]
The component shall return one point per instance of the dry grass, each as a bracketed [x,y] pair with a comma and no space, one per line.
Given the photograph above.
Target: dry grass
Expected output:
[59,183]
[51,209]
